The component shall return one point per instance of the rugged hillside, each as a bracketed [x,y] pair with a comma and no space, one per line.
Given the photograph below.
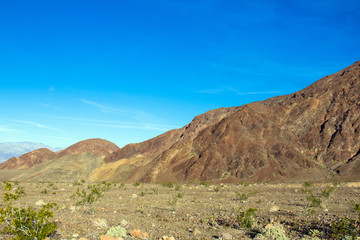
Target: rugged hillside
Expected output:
[16,149]
[98,147]
[29,159]
[313,133]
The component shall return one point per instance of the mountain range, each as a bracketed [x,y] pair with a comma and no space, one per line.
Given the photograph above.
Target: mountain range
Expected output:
[310,134]
[16,149]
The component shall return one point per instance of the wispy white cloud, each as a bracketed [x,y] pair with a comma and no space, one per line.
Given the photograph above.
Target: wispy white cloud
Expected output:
[5,129]
[39,125]
[119,124]
[101,107]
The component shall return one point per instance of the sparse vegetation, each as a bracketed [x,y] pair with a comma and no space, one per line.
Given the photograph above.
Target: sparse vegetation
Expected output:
[94,193]
[25,222]
[246,218]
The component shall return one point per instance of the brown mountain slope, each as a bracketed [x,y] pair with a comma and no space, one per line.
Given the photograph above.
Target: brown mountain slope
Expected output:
[313,131]
[155,146]
[29,159]
[99,147]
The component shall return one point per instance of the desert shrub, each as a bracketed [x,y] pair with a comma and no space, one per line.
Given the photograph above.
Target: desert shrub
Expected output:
[168,184]
[204,183]
[336,183]
[94,193]
[155,190]
[44,191]
[25,223]
[136,184]
[308,184]
[217,189]
[180,195]
[313,201]
[116,232]
[244,184]
[246,218]
[242,197]
[327,192]
[177,187]
[273,231]
[345,228]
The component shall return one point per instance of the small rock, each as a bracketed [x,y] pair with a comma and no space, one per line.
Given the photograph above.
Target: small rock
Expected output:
[134,195]
[124,223]
[40,203]
[72,208]
[100,222]
[226,236]
[75,235]
[106,237]
[168,238]
[274,208]
[137,233]
[196,232]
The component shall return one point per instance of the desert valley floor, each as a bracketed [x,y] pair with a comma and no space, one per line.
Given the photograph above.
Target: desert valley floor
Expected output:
[194,211]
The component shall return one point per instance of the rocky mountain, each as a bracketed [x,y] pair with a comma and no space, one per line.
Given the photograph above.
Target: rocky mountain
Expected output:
[312,133]
[16,149]
[74,162]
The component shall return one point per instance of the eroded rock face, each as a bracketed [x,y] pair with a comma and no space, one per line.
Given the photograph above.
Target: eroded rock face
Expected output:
[313,131]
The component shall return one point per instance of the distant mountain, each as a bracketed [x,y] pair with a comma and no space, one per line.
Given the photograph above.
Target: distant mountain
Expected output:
[310,134]
[16,149]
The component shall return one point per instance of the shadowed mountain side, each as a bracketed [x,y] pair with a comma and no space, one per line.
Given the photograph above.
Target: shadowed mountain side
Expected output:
[155,146]
[311,134]
[29,159]
[64,169]
[315,130]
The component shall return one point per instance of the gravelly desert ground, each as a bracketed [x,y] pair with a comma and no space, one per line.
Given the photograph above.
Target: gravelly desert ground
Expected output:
[191,211]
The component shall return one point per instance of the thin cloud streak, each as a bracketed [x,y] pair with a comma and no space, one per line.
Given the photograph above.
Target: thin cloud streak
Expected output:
[101,107]
[39,125]
[119,124]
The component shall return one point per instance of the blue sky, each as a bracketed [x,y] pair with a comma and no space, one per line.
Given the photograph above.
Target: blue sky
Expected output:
[129,70]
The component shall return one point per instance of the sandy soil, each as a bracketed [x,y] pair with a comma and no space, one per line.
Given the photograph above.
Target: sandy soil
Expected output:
[189,211]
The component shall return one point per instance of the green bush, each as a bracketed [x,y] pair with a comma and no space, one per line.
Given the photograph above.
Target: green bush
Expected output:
[94,193]
[168,184]
[273,231]
[25,223]
[247,219]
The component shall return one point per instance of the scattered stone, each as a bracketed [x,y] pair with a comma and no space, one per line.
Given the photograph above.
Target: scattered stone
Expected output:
[274,208]
[106,237]
[72,208]
[124,223]
[137,233]
[167,238]
[226,236]
[100,223]
[40,203]
[134,195]
[75,235]
[196,232]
